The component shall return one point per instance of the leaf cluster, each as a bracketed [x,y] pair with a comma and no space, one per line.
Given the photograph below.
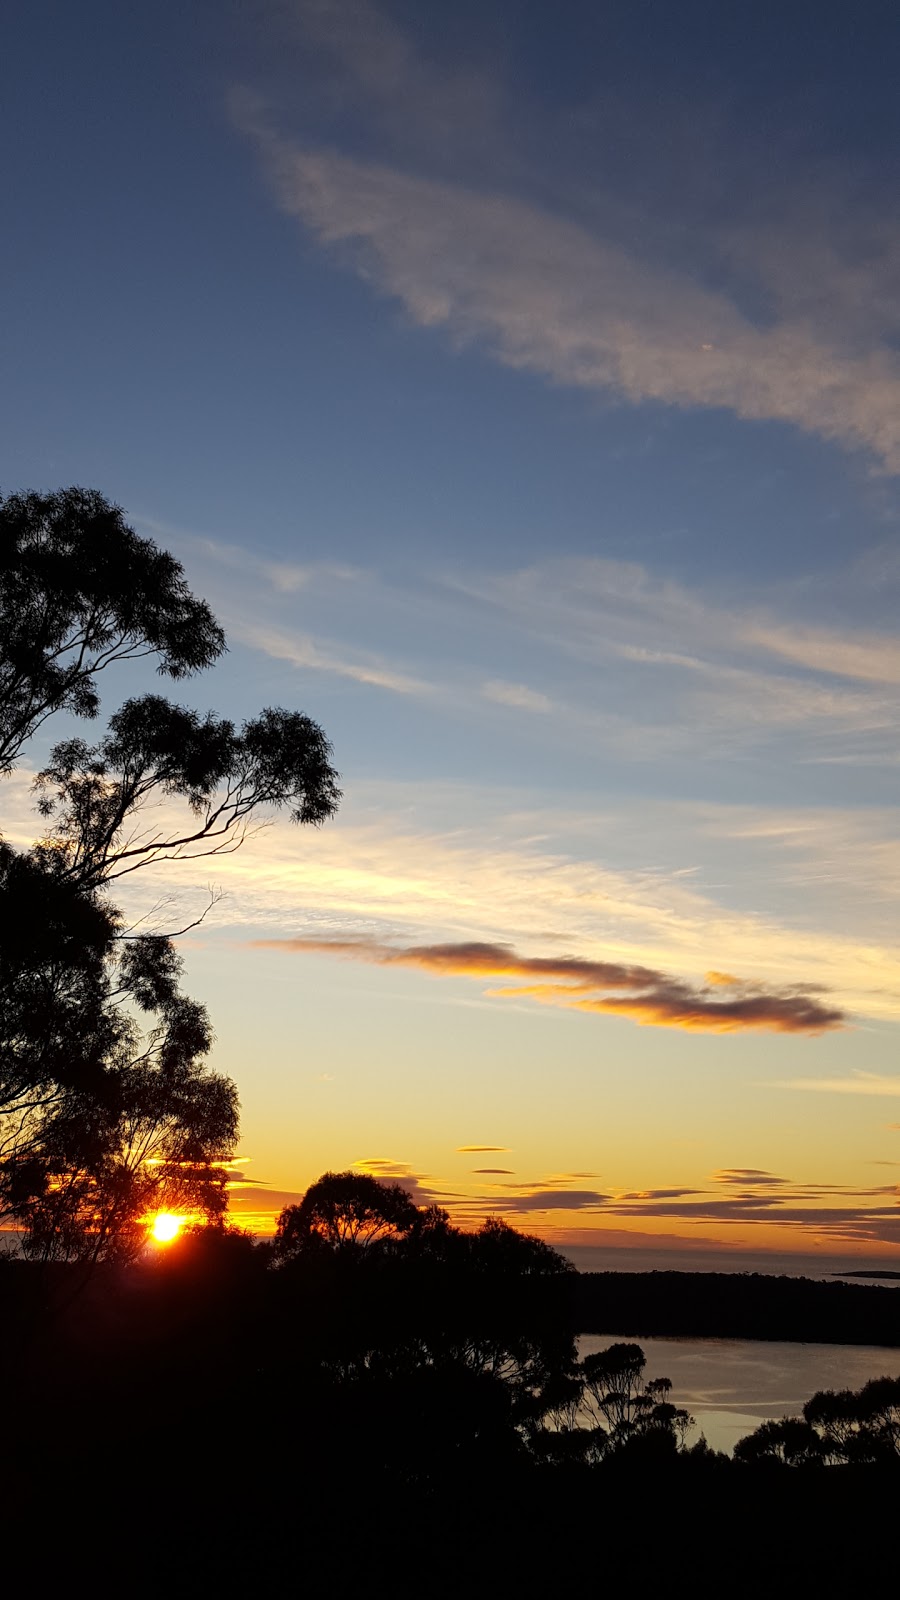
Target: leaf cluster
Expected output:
[79,590]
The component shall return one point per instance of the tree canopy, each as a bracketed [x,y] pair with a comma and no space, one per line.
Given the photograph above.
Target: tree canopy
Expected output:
[79,590]
[345,1211]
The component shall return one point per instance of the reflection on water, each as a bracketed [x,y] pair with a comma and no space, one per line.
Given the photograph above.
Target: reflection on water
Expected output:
[731,1385]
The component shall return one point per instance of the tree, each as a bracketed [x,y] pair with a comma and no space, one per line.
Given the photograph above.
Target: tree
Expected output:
[90,797]
[498,1248]
[80,590]
[108,1109]
[616,1393]
[345,1211]
[838,1426]
[134,1124]
[787,1441]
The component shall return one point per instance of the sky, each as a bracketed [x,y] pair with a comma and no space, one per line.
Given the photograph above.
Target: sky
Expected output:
[521,385]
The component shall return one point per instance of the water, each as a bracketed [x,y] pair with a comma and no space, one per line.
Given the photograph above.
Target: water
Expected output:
[730,1386]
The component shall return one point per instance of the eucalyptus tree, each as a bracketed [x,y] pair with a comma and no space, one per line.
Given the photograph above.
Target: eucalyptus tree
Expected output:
[108,1108]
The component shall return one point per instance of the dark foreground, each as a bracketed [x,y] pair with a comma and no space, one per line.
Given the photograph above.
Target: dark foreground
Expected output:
[209,1421]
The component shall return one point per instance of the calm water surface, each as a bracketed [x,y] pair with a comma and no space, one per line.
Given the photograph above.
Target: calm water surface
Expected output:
[731,1385]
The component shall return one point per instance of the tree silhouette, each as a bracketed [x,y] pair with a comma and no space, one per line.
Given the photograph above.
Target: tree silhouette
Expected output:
[80,590]
[788,1441]
[91,796]
[839,1426]
[858,1426]
[108,1110]
[498,1248]
[843,1426]
[616,1394]
[137,1125]
[345,1211]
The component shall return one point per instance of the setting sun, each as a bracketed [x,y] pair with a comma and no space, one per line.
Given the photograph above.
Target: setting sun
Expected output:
[166,1227]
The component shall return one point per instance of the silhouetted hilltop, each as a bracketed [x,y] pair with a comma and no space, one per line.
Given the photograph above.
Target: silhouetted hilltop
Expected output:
[735,1305]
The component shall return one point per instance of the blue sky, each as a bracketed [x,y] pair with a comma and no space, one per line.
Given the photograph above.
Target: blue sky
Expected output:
[522,386]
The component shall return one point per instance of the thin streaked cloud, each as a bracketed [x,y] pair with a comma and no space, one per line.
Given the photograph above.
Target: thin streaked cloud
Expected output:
[517,695]
[864,1083]
[301,651]
[654,998]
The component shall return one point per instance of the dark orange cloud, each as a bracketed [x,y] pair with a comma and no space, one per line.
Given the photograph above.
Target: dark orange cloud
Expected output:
[865,1217]
[748,1177]
[656,999]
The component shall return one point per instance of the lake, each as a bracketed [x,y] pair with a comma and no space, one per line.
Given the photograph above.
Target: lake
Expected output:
[730,1386]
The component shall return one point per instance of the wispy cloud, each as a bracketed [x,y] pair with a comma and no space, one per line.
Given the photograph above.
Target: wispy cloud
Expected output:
[517,695]
[661,670]
[363,57]
[645,996]
[302,651]
[749,1177]
[865,1083]
[873,659]
[548,295]
[482,1149]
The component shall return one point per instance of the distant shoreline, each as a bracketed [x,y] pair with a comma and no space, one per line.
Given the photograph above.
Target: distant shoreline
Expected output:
[894,1276]
[706,1305]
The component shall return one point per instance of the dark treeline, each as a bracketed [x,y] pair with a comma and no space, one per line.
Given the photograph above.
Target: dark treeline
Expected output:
[725,1305]
[389,1399]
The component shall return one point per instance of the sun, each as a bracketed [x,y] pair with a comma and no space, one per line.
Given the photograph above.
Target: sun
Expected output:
[166,1227]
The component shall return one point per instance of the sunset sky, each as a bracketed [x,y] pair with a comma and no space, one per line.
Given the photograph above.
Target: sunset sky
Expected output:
[520,383]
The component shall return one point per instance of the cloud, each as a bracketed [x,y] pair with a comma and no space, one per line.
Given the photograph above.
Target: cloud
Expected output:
[487,1172]
[482,1149]
[649,997]
[384,1166]
[870,658]
[655,1194]
[418,1185]
[414,863]
[555,1200]
[363,57]
[860,1083]
[302,651]
[258,1208]
[549,295]
[827,1212]
[748,1176]
[683,671]
[516,694]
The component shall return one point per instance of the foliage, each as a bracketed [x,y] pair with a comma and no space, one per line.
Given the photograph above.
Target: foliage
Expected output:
[499,1248]
[345,1211]
[605,1404]
[858,1426]
[89,796]
[79,590]
[108,1110]
[838,1427]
